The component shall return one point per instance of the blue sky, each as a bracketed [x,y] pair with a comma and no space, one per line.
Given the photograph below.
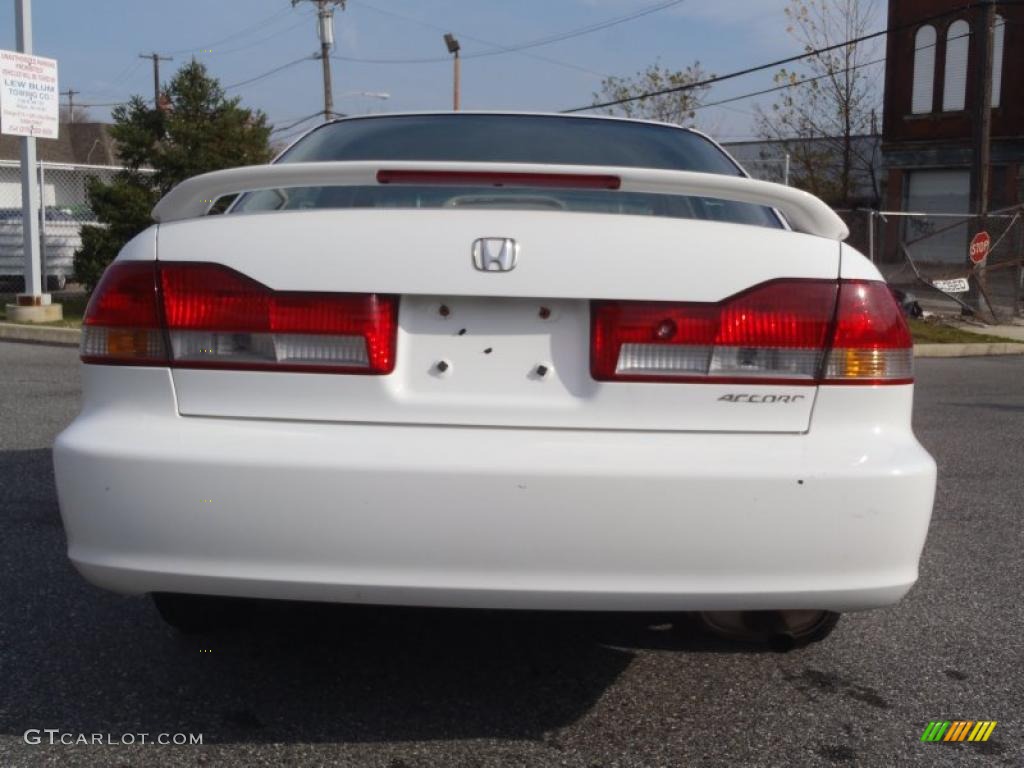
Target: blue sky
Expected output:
[97,43]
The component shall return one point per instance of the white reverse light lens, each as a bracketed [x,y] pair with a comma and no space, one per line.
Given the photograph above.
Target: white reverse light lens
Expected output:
[661,359]
[686,360]
[290,348]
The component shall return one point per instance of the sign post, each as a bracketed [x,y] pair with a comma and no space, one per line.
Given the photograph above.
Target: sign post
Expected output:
[30,108]
[980,246]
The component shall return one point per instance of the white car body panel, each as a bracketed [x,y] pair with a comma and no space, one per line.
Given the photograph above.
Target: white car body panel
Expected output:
[500,518]
[486,485]
[854,265]
[564,255]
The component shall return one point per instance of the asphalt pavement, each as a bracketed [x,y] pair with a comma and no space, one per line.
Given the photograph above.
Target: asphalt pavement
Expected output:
[403,688]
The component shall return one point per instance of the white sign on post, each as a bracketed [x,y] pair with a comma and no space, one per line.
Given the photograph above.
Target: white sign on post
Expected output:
[956,285]
[29,100]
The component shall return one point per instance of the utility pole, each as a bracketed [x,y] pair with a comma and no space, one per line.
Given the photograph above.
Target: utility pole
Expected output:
[453,49]
[157,58]
[981,145]
[71,103]
[325,30]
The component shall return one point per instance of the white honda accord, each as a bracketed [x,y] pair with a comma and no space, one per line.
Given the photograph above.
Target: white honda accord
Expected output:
[492,360]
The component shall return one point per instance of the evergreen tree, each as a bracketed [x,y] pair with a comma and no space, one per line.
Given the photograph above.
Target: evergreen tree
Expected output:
[194,129]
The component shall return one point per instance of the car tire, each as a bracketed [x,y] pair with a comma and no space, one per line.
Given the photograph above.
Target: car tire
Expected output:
[778,630]
[200,614]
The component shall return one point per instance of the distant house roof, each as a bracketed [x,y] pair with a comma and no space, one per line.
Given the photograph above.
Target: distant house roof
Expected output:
[80,143]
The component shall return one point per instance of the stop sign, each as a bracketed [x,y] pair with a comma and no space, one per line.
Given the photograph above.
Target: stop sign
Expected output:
[979,247]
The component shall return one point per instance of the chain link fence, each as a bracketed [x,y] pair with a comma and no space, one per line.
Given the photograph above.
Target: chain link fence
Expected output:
[928,255]
[65,208]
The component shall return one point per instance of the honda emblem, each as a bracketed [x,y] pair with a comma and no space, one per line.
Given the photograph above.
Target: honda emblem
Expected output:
[495,254]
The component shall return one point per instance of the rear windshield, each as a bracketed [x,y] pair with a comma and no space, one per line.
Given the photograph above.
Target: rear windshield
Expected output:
[510,139]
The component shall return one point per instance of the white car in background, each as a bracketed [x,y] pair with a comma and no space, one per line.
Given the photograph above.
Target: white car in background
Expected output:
[498,361]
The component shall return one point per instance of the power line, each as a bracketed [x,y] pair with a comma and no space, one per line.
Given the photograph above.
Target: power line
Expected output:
[535,43]
[120,77]
[807,80]
[268,73]
[599,26]
[112,103]
[301,120]
[771,65]
[488,43]
[784,86]
[240,33]
[232,86]
[288,137]
[261,40]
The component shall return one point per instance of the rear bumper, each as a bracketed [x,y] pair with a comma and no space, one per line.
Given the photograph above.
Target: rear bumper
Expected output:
[497,518]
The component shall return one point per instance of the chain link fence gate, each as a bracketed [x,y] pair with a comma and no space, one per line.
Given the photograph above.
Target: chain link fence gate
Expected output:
[926,254]
[65,208]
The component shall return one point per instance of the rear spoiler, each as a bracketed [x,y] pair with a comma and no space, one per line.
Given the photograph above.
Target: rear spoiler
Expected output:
[804,212]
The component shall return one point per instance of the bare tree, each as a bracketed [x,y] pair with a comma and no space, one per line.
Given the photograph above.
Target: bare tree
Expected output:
[820,118]
[677,107]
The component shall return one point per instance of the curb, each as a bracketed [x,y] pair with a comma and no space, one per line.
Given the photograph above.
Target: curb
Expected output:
[968,350]
[65,337]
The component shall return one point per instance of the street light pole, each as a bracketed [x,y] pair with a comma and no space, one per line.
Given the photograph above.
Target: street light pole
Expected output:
[453,48]
[457,77]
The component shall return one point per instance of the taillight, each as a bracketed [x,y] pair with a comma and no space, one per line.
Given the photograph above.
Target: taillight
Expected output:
[871,343]
[215,317]
[801,332]
[122,322]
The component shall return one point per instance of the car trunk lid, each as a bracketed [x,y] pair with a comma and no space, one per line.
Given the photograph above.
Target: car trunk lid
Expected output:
[498,348]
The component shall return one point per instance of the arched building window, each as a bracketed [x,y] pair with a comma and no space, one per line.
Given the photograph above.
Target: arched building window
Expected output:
[998,40]
[924,70]
[958,44]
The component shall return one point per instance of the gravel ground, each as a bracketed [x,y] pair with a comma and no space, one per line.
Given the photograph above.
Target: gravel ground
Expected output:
[396,688]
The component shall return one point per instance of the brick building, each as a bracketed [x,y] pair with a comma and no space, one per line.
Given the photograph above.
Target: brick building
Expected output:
[929,92]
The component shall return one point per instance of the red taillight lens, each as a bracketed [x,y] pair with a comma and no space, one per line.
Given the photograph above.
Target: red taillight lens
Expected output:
[776,332]
[122,321]
[872,342]
[215,317]
[784,331]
